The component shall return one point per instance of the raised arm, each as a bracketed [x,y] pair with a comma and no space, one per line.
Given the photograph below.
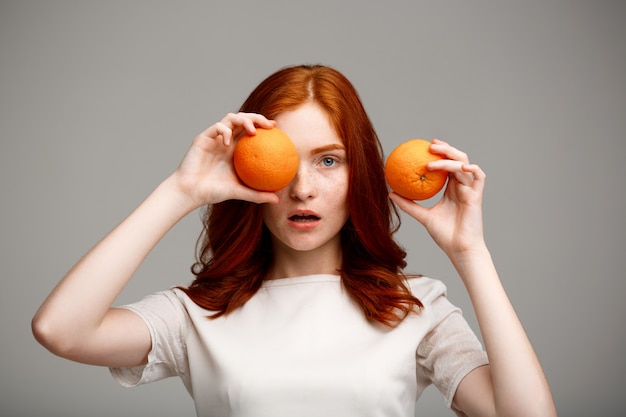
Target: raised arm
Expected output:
[76,321]
[514,383]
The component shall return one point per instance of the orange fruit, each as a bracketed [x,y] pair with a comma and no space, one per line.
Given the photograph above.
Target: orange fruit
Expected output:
[406,173]
[266,161]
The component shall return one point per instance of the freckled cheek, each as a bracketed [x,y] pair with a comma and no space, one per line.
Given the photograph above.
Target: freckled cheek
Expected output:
[337,190]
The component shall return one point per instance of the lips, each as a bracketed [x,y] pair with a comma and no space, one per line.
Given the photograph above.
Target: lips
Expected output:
[304,218]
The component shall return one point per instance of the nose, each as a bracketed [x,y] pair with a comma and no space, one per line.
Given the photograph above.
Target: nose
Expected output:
[302,187]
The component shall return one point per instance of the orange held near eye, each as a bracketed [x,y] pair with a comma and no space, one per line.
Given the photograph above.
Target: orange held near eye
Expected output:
[406,171]
[266,161]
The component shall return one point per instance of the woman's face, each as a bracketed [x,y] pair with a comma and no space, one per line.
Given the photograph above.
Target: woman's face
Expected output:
[313,207]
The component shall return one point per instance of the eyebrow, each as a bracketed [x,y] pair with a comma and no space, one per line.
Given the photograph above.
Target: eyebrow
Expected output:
[326,148]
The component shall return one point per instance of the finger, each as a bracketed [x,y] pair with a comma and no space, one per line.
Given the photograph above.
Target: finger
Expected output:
[450,165]
[442,148]
[246,123]
[479,176]
[249,121]
[236,124]
[259,120]
[217,131]
[410,207]
[453,167]
[220,131]
[259,197]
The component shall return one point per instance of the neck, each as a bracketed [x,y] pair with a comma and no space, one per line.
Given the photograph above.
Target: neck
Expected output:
[292,263]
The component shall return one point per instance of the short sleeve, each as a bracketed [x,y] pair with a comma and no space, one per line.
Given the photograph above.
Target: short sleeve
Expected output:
[166,319]
[450,350]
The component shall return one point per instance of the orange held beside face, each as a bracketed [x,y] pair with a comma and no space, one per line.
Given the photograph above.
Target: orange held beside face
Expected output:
[266,161]
[406,171]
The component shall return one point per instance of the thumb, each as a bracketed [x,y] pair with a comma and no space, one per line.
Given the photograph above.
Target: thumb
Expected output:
[259,197]
[410,207]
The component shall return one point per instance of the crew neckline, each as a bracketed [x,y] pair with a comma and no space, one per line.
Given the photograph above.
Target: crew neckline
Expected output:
[303,279]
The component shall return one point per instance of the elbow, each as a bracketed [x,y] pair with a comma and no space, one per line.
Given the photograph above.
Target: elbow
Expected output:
[48,334]
[42,331]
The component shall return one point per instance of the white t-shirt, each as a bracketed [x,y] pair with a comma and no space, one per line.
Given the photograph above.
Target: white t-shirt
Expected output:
[302,347]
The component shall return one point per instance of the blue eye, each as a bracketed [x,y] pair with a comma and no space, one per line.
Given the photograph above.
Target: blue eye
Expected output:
[328,162]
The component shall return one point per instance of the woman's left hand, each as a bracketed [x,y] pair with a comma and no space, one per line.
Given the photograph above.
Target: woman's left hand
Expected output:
[455,222]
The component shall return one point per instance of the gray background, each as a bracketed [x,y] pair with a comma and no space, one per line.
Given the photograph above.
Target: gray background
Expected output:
[100,100]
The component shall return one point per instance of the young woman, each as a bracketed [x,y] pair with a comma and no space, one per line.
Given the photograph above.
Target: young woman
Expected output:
[300,306]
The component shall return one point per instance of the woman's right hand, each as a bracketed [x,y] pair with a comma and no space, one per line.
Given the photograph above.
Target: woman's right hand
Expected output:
[207,175]
[76,321]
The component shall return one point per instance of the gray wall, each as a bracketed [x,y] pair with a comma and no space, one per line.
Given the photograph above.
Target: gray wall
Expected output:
[99,101]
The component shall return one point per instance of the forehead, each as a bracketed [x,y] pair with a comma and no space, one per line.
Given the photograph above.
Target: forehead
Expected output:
[308,126]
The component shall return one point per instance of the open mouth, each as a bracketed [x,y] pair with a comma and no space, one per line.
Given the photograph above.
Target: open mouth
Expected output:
[303,218]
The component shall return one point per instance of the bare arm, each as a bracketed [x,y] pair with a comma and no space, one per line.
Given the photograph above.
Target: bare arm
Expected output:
[515,374]
[514,383]
[77,321]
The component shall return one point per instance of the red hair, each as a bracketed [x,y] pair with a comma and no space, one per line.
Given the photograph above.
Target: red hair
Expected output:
[235,251]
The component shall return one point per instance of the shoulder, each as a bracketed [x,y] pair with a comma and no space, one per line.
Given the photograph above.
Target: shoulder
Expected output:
[433,295]
[172,298]
[427,290]
[167,309]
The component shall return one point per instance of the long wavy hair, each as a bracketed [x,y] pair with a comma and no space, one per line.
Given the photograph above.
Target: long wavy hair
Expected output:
[234,251]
